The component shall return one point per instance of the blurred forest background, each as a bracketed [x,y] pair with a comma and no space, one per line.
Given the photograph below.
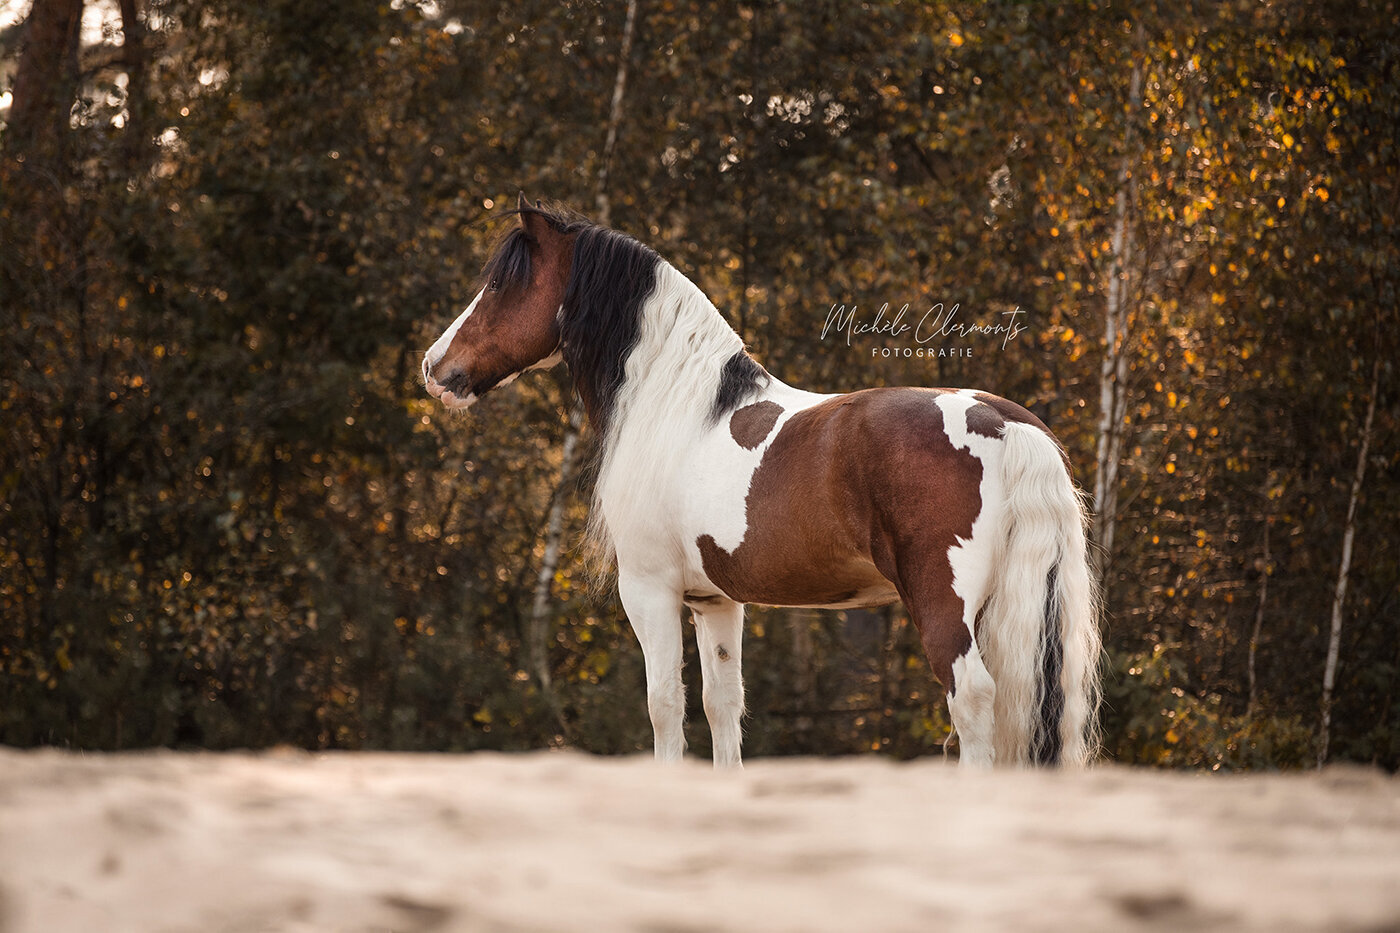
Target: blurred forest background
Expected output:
[231,516]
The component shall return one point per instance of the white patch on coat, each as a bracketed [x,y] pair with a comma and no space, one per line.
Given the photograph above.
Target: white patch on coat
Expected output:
[971,557]
[659,414]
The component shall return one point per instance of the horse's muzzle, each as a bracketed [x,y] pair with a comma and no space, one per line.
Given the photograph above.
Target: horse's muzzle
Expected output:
[454,393]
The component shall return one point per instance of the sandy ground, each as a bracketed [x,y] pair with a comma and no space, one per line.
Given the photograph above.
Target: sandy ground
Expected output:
[561,841]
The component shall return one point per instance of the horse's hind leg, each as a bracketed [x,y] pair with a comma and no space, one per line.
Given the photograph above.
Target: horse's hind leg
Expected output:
[654,610]
[956,662]
[719,630]
[945,614]
[971,698]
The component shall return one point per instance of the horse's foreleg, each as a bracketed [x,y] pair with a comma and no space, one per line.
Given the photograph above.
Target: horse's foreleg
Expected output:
[719,632]
[654,609]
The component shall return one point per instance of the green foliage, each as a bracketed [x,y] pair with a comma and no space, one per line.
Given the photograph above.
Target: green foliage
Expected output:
[1150,717]
[230,517]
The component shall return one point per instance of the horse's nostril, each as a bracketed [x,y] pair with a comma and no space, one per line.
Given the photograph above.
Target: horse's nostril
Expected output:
[458,384]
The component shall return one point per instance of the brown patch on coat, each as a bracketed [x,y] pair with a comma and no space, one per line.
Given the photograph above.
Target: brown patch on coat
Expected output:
[752,423]
[854,494]
[1010,411]
[985,420]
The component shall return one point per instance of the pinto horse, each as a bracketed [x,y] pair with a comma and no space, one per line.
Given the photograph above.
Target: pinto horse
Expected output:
[720,485]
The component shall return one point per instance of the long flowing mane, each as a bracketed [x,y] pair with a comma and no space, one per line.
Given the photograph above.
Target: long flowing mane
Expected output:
[612,277]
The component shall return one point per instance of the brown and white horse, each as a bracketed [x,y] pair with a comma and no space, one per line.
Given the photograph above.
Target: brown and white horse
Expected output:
[720,486]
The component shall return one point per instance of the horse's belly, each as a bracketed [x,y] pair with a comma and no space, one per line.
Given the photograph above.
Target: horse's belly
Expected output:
[796,577]
[851,587]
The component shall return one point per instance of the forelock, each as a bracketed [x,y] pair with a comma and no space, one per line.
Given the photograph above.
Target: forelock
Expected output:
[508,269]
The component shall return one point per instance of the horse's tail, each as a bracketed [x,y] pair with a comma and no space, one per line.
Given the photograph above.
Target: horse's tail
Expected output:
[1039,632]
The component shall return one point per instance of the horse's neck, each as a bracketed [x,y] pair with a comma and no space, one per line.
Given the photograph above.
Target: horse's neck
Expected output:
[667,397]
[673,372]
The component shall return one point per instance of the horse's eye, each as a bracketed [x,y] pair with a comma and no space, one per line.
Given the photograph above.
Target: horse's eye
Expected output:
[493,285]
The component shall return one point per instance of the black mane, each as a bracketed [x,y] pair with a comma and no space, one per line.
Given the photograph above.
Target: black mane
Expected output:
[740,378]
[612,277]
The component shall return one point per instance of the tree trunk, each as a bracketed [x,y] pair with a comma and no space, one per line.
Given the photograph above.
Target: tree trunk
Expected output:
[1339,594]
[1113,371]
[1258,620]
[136,132]
[539,628]
[602,204]
[538,635]
[47,76]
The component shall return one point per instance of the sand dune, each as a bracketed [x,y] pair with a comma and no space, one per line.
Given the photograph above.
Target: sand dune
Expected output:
[563,841]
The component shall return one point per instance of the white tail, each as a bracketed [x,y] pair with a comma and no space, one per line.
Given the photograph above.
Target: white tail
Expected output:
[1039,632]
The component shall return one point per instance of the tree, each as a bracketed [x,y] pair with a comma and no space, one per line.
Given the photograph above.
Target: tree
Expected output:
[47,77]
[570,456]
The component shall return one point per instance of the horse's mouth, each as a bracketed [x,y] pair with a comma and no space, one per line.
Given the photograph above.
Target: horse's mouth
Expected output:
[454,393]
[451,399]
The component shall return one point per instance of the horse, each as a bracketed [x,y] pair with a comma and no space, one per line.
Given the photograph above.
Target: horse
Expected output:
[719,485]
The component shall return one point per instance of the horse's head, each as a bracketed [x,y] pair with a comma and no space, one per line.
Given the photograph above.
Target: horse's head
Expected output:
[512,325]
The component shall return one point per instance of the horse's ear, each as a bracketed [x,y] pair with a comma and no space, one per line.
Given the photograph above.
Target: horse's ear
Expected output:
[533,222]
[522,203]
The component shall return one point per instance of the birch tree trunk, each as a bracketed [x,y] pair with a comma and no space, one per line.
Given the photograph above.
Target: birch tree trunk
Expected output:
[601,202]
[538,633]
[1113,371]
[1339,594]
